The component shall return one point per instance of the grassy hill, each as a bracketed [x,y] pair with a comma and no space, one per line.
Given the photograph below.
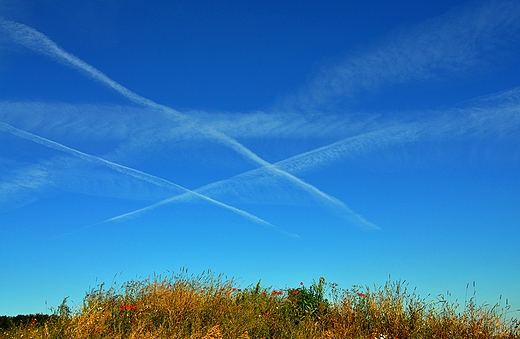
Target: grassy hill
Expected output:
[209,307]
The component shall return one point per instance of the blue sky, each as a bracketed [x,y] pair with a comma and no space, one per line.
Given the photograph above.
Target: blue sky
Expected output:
[280,141]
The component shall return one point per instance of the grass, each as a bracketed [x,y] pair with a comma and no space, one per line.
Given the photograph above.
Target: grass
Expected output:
[210,307]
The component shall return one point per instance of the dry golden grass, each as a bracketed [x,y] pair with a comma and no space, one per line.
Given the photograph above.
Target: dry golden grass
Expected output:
[205,307]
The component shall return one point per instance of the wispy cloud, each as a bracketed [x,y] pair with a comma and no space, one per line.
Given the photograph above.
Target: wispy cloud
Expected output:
[495,115]
[73,121]
[126,170]
[312,159]
[21,187]
[448,44]
[179,198]
[315,158]
[120,123]
[38,42]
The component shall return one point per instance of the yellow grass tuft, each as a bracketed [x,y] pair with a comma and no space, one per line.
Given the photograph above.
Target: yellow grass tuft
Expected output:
[244,335]
[213,333]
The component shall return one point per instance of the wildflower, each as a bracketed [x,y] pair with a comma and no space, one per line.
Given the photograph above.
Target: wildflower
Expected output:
[295,292]
[234,289]
[128,307]
[264,292]
[361,295]
[301,283]
[33,322]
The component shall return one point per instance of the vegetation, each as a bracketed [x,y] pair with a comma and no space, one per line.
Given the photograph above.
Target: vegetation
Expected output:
[23,319]
[209,307]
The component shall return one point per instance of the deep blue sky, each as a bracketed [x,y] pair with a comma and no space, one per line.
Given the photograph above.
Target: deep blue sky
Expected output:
[284,141]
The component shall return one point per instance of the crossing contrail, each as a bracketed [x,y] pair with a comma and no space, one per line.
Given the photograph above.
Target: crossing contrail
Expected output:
[126,170]
[37,41]
[471,121]
[318,156]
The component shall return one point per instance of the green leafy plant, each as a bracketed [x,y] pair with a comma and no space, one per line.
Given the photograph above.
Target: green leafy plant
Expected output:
[310,302]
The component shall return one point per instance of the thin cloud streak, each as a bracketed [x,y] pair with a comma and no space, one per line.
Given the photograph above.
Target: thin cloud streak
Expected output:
[389,58]
[452,42]
[126,170]
[495,114]
[475,121]
[21,188]
[299,162]
[179,198]
[306,186]
[38,42]
[126,123]
[312,158]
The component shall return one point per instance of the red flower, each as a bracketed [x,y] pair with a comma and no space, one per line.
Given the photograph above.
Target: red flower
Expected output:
[301,283]
[361,295]
[264,292]
[295,292]
[128,307]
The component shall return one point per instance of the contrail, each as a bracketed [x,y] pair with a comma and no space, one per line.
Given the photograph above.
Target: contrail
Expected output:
[38,42]
[181,197]
[368,141]
[126,170]
[362,142]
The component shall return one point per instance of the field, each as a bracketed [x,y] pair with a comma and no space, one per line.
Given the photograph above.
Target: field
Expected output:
[210,307]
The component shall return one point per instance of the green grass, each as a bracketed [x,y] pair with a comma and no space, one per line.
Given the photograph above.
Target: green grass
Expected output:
[210,307]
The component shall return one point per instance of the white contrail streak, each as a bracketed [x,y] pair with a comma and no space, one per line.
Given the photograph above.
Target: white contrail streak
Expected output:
[126,170]
[177,198]
[318,156]
[38,42]
[439,128]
